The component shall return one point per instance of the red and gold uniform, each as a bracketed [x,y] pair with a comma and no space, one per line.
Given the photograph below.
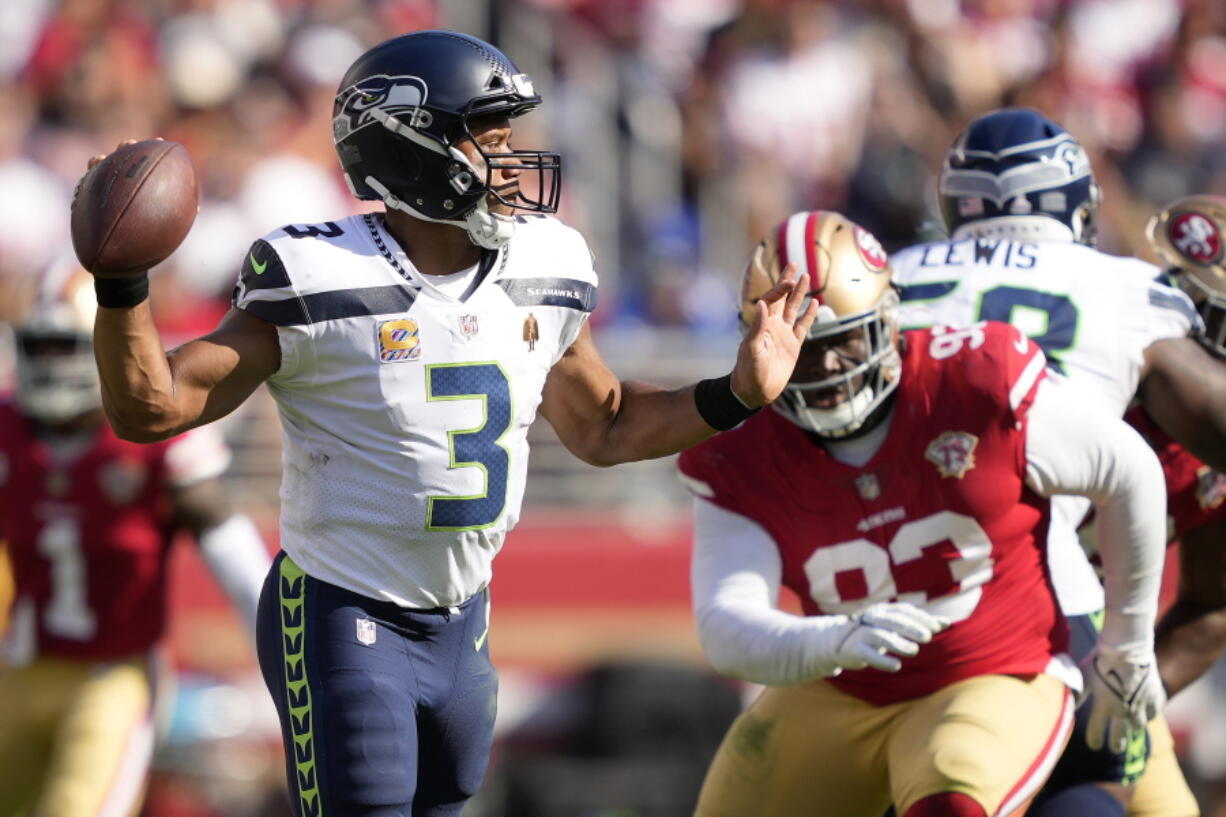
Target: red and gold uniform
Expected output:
[89,532]
[1196,494]
[940,516]
[1195,497]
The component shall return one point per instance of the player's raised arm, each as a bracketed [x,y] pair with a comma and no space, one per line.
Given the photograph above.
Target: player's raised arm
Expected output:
[131,210]
[605,421]
[149,394]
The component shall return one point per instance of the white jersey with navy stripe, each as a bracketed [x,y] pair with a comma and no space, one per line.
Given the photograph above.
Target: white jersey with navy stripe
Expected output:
[404,410]
[1093,314]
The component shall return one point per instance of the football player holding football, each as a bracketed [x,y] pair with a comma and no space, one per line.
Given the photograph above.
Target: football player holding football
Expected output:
[89,520]
[1019,198]
[408,352]
[900,488]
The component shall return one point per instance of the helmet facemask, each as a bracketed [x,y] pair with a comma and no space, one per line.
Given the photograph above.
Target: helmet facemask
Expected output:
[1211,305]
[866,350]
[472,182]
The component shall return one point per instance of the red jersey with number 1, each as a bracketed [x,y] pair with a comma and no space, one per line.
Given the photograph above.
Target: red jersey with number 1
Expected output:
[940,516]
[89,536]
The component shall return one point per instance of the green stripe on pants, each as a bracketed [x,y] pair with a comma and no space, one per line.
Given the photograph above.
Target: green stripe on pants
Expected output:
[297,693]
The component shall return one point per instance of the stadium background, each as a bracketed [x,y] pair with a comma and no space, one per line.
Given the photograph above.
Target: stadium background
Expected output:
[687,127]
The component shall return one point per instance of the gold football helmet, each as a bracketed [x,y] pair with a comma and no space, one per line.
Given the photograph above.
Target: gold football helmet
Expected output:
[1189,234]
[849,277]
[57,378]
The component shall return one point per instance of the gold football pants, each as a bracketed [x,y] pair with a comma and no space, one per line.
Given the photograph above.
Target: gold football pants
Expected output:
[816,751]
[75,737]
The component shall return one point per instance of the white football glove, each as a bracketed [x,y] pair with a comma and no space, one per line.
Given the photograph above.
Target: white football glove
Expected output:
[1127,694]
[867,638]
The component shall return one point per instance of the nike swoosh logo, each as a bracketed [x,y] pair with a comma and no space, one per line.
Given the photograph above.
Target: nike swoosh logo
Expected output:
[257,266]
[479,640]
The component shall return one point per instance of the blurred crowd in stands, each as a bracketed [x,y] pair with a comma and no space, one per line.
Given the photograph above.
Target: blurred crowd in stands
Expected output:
[688,127]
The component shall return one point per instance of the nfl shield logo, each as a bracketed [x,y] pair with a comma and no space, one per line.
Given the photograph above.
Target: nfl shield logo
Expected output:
[468,325]
[868,486]
[366,631]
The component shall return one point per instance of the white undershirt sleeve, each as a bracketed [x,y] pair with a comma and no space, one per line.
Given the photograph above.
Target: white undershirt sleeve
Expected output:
[235,552]
[1074,447]
[735,577]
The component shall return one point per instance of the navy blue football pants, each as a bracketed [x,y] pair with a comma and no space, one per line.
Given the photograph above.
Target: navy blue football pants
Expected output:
[385,712]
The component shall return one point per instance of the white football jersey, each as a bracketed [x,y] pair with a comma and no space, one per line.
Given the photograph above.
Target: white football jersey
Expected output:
[405,410]
[1093,315]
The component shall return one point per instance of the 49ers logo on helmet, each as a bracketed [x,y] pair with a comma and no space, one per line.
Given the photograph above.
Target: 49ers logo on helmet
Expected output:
[1196,237]
[870,248]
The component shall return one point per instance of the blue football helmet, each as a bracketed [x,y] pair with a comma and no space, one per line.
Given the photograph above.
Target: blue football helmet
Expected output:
[405,105]
[1013,173]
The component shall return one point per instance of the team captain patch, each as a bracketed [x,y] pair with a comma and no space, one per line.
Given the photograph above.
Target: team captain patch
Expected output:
[399,340]
[953,453]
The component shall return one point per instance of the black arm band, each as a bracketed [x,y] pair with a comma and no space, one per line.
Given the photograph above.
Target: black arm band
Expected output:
[719,405]
[122,293]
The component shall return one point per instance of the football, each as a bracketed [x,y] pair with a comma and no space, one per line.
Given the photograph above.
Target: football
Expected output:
[134,208]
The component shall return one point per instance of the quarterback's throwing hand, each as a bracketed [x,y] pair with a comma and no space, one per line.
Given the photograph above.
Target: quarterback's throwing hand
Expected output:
[867,638]
[1127,694]
[769,350]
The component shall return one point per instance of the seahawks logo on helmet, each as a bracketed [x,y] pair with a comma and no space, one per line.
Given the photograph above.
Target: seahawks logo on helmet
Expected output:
[1015,171]
[395,96]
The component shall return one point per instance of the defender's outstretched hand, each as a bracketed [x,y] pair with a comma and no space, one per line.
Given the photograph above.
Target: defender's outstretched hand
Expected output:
[768,353]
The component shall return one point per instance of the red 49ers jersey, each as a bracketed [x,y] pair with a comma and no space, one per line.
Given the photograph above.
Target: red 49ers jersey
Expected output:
[1195,493]
[89,539]
[940,516]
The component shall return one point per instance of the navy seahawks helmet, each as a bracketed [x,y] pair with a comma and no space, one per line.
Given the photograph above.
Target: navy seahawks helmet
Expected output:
[405,105]
[1013,173]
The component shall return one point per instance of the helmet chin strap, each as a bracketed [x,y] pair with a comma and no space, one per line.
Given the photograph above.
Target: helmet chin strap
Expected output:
[485,229]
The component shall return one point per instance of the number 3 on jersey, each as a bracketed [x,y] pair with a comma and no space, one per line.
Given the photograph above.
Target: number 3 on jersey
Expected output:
[477,447]
[939,562]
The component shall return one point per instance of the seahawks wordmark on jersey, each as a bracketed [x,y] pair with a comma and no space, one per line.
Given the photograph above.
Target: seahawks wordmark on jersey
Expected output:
[1093,315]
[405,406]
